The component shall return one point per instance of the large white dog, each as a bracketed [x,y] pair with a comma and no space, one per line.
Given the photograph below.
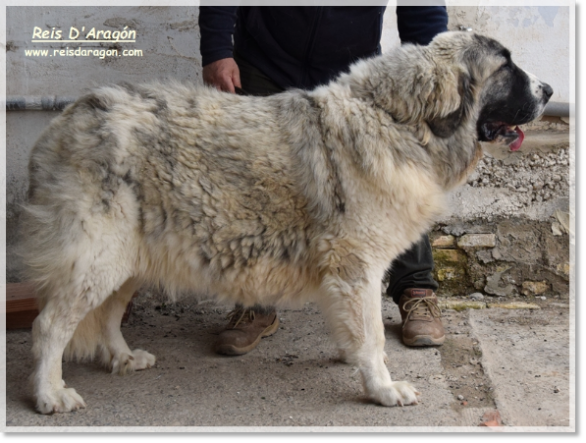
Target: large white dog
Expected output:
[294,196]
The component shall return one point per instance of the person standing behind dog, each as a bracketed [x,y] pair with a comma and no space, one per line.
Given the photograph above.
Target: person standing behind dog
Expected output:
[277,48]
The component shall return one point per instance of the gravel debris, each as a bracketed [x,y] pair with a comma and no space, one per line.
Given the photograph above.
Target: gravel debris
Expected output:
[537,177]
[477,296]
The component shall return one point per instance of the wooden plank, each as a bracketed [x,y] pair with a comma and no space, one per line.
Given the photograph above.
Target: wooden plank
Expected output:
[22,309]
[21,305]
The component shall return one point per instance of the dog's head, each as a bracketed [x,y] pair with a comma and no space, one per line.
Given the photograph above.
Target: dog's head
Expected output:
[491,89]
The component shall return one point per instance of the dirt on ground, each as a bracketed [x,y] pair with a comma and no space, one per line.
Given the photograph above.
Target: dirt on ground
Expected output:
[295,379]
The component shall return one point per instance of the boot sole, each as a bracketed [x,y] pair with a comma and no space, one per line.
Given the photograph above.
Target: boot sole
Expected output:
[424,340]
[233,350]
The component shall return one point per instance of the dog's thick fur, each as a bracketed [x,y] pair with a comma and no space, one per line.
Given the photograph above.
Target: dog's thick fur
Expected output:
[301,195]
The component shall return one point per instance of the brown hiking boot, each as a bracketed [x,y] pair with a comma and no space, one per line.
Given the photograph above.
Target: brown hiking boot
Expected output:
[422,324]
[247,326]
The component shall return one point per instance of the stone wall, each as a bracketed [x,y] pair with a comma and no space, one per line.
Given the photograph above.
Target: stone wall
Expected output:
[513,257]
[508,234]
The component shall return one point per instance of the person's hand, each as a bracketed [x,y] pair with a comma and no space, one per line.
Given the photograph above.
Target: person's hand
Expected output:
[223,74]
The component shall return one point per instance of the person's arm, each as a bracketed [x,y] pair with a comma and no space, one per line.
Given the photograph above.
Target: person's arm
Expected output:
[216,26]
[420,24]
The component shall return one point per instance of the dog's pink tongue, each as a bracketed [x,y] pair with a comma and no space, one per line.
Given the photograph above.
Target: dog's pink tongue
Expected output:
[517,143]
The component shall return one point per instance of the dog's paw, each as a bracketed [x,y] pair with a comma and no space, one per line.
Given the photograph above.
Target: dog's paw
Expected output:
[143,359]
[398,393]
[125,363]
[61,400]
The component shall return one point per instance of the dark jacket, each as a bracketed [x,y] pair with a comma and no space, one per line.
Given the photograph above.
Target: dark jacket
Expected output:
[307,46]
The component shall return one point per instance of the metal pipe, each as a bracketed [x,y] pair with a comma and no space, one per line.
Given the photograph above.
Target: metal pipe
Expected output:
[56,103]
[27,103]
[557,109]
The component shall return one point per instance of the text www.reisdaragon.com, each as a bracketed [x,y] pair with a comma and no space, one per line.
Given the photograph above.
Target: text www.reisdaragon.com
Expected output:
[83,52]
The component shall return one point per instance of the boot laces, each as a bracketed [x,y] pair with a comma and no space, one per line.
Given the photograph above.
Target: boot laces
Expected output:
[238,316]
[422,307]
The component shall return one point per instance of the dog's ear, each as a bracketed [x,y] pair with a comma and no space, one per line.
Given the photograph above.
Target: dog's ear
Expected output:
[445,126]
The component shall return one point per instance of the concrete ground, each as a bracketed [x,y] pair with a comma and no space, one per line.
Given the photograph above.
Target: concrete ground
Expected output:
[508,367]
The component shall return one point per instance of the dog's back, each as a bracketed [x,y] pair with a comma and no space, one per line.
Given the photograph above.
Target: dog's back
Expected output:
[168,184]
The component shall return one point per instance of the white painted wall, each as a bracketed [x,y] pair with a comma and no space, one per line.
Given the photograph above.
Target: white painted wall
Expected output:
[169,37]
[538,37]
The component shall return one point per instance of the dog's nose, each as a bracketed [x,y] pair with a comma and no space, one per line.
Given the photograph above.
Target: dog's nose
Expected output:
[547,90]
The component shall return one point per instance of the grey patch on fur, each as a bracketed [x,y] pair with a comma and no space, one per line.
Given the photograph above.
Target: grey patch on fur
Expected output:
[445,127]
[93,101]
[331,165]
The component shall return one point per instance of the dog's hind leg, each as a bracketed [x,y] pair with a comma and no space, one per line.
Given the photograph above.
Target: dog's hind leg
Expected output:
[100,332]
[84,321]
[52,330]
[352,305]
[85,274]
[123,359]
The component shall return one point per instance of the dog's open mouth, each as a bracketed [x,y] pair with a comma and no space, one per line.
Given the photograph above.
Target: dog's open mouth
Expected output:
[502,133]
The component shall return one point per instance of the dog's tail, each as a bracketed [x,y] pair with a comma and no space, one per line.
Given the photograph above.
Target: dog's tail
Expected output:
[75,204]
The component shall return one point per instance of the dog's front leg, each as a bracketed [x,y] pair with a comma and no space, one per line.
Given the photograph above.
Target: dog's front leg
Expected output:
[353,312]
